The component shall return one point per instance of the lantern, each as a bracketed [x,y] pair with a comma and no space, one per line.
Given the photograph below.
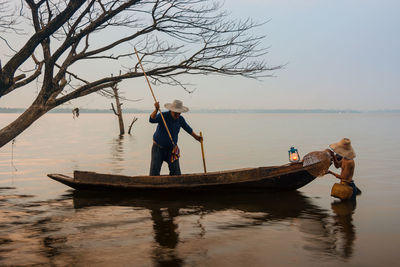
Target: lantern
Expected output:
[294,155]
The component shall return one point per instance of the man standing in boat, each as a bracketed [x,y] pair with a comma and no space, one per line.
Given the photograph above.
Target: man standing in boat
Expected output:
[162,143]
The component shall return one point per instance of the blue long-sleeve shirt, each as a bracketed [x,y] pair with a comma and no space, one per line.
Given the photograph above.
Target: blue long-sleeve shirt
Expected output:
[161,136]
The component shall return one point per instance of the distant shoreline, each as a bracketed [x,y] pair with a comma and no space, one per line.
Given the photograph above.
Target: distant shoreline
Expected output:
[270,111]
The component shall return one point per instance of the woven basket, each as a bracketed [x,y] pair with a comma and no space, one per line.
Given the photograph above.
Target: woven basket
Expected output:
[342,191]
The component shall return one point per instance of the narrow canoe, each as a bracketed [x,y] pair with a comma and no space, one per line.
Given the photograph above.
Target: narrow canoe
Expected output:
[276,178]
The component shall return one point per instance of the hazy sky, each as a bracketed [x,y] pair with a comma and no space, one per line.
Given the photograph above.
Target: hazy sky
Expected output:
[341,54]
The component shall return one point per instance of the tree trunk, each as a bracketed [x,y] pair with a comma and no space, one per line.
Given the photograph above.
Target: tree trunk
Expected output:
[34,112]
[118,112]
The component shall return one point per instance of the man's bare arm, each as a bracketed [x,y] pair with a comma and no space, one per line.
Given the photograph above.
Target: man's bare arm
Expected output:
[336,162]
[197,137]
[347,171]
[156,108]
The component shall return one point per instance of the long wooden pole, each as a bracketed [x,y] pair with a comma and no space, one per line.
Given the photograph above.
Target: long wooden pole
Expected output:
[202,153]
[154,97]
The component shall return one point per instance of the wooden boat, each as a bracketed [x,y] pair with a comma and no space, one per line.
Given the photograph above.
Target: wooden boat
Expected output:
[277,178]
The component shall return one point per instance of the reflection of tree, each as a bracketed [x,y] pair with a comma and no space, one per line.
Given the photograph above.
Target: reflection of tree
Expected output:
[343,223]
[117,154]
[30,231]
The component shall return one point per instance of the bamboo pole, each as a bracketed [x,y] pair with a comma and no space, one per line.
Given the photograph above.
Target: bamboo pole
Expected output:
[202,153]
[154,97]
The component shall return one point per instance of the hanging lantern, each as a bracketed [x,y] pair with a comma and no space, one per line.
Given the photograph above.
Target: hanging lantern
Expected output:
[294,155]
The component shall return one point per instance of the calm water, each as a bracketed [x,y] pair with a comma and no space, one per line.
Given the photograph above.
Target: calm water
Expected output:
[45,223]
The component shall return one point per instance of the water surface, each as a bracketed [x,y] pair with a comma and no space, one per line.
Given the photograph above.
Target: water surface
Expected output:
[45,223]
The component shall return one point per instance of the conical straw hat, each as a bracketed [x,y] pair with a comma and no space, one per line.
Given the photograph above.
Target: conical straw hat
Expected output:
[344,148]
[176,106]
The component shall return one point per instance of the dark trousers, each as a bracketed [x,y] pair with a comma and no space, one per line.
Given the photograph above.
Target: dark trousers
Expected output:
[355,191]
[160,154]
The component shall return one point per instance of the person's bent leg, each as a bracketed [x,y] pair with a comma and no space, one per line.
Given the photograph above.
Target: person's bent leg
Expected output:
[156,160]
[174,168]
[355,193]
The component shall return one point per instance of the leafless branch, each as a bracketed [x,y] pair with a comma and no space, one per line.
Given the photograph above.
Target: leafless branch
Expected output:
[29,79]
[113,109]
[8,19]
[130,126]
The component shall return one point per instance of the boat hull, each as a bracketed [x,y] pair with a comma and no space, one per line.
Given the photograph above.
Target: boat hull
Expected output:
[277,178]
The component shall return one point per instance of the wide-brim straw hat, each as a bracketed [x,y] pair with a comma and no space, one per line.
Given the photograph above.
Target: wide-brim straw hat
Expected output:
[344,148]
[176,106]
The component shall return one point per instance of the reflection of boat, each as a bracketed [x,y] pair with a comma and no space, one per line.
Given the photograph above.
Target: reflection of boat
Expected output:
[273,206]
[198,212]
[277,178]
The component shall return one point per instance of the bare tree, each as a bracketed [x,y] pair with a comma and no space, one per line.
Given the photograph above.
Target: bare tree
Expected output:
[174,37]
[118,111]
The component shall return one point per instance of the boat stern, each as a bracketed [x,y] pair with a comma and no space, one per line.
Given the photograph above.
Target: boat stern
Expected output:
[317,163]
[64,179]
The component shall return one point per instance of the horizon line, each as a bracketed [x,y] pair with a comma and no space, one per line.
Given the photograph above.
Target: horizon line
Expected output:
[212,110]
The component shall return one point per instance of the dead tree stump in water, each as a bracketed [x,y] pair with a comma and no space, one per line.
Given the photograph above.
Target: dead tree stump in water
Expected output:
[118,112]
[130,126]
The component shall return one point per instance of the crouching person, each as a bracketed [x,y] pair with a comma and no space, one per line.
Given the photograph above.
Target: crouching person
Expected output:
[343,157]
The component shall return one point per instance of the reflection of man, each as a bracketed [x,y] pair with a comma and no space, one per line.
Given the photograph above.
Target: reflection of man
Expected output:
[166,235]
[343,217]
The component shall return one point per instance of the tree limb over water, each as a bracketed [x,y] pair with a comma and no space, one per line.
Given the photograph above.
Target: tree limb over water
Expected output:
[174,38]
